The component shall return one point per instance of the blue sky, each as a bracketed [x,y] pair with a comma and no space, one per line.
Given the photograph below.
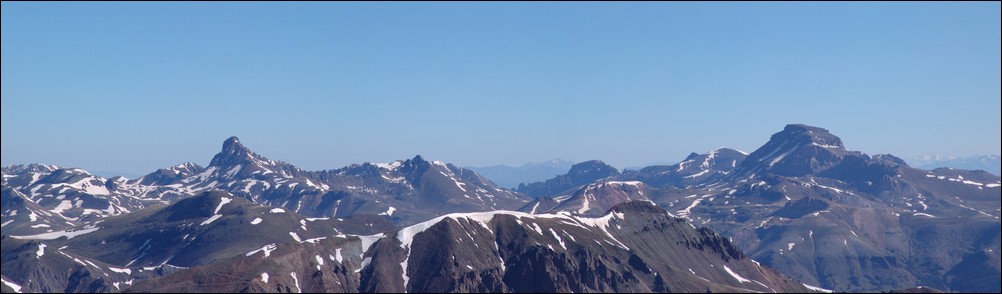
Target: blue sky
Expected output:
[132,87]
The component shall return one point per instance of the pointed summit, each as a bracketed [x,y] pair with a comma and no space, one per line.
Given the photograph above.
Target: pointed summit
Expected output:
[232,142]
[414,166]
[232,153]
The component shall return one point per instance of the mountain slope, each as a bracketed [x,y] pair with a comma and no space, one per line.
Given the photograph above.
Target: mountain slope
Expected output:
[200,230]
[159,240]
[636,247]
[35,266]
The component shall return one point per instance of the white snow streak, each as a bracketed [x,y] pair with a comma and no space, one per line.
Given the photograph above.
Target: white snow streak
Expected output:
[558,239]
[819,289]
[211,219]
[735,275]
[294,278]
[267,250]
[16,287]
[56,235]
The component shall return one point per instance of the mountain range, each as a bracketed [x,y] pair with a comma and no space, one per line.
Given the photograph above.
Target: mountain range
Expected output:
[799,211]
[988,163]
[808,207]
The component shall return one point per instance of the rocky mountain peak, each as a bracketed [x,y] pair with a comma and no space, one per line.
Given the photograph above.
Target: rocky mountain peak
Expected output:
[808,135]
[233,153]
[414,165]
[797,150]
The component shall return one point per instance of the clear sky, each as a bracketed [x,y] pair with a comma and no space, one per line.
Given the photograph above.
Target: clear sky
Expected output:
[133,87]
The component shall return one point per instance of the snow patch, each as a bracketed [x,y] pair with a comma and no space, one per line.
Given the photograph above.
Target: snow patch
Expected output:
[211,219]
[558,239]
[313,240]
[264,277]
[684,213]
[705,171]
[781,156]
[56,235]
[367,241]
[389,211]
[267,250]
[41,250]
[585,205]
[222,201]
[294,278]
[16,287]
[535,227]
[64,205]
[603,223]
[320,261]
[735,275]
[120,270]
[256,220]
[818,289]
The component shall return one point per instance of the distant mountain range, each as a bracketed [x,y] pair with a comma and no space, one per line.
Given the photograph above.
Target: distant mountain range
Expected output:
[988,163]
[808,207]
[799,211]
[510,177]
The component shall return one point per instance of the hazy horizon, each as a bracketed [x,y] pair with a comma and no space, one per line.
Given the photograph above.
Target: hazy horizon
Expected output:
[133,87]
